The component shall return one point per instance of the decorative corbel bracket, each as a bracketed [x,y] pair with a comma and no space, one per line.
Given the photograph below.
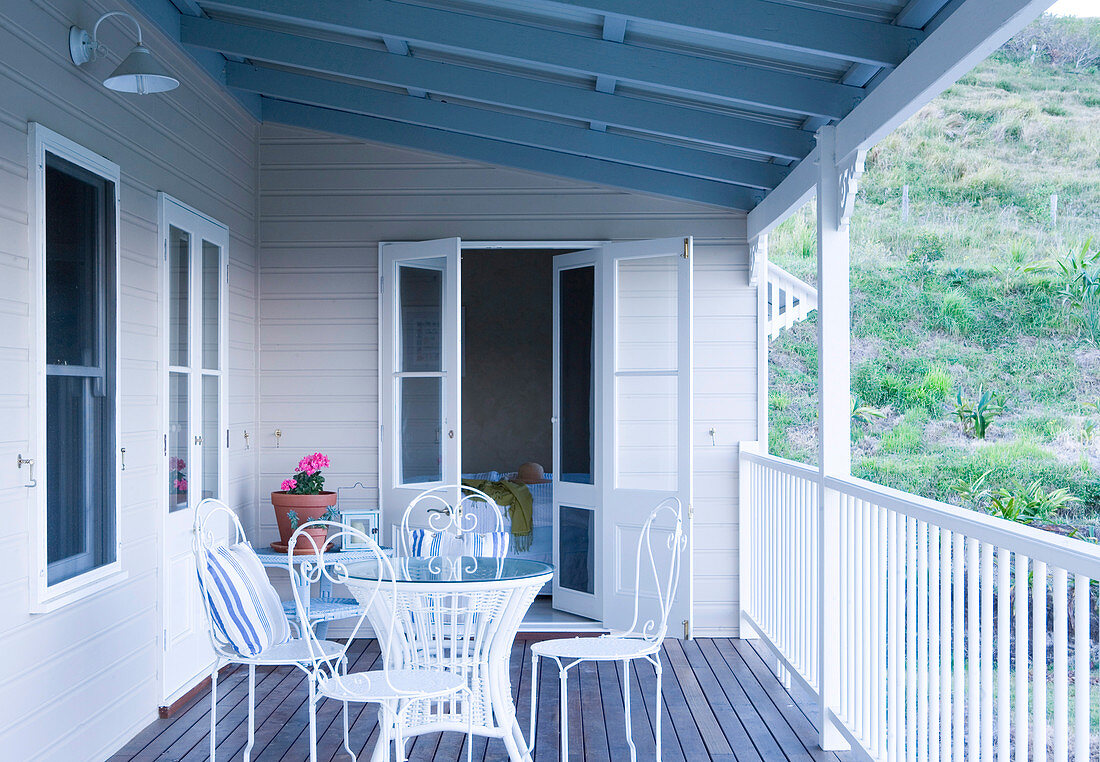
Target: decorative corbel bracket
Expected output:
[848,173]
[758,250]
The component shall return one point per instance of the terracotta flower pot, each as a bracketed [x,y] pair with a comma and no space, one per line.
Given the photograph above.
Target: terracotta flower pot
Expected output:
[307,507]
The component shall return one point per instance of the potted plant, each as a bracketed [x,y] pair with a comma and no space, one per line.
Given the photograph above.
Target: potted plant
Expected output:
[303,499]
[178,479]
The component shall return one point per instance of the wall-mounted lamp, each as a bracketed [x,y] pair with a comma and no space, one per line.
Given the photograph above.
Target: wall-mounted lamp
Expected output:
[138,73]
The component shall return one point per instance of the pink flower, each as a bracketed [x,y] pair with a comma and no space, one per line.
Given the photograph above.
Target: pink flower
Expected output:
[181,485]
[289,484]
[176,464]
[311,464]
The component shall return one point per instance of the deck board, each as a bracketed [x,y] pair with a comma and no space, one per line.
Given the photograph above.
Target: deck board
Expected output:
[721,703]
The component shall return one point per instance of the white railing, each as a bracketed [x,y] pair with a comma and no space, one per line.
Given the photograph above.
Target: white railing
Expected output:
[790,300]
[932,616]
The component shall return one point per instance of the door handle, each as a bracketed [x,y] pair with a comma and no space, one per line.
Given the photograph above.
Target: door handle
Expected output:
[451,434]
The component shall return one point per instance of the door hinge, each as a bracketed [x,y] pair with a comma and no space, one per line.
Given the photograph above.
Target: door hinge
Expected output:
[687,247]
[164,640]
[381,284]
[691,511]
[165,249]
[165,444]
[227,273]
[381,433]
[687,629]
[227,439]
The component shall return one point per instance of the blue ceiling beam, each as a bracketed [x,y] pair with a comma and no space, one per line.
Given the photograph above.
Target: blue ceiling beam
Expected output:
[494,152]
[537,133]
[497,89]
[785,27]
[678,73]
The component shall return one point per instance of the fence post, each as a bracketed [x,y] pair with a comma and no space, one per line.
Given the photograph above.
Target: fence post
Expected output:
[745,576]
[1054,210]
[905,203]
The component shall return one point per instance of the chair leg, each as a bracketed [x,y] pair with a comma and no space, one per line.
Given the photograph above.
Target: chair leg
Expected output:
[469,730]
[534,701]
[251,712]
[213,708]
[312,719]
[657,709]
[347,740]
[563,713]
[626,708]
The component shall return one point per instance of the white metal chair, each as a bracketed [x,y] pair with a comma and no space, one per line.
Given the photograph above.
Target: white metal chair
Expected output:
[394,690]
[296,652]
[438,511]
[642,640]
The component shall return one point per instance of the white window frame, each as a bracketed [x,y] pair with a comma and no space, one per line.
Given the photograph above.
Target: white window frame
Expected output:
[45,597]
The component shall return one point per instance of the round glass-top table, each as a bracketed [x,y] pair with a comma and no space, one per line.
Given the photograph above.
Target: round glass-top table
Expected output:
[460,614]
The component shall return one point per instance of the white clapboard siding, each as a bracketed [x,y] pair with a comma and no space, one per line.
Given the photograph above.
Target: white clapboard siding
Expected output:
[80,681]
[326,202]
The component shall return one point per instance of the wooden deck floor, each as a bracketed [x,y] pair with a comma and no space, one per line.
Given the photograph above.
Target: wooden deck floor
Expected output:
[721,703]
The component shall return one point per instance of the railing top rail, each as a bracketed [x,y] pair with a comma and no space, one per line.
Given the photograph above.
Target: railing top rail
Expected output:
[780,464]
[777,273]
[1075,556]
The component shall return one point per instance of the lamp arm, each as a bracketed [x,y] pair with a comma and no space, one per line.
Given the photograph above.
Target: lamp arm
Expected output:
[95,29]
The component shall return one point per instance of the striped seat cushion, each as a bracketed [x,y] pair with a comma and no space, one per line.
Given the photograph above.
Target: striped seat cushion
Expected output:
[424,543]
[487,544]
[245,608]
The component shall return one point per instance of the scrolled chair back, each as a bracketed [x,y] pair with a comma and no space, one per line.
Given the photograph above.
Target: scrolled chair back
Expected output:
[665,576]
[448,514]
[317,564]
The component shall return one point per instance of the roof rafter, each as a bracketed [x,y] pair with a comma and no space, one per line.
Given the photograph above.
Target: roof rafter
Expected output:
[512,155]
[523,130]
[496,88]
[676,72]
[781,26]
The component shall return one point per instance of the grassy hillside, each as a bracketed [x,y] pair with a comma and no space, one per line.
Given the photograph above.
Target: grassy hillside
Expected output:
[969,291]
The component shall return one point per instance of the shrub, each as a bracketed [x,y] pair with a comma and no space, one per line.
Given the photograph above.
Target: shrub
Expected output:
[977,418]
[931,393]
[929,249]
[952,312]
[863,413]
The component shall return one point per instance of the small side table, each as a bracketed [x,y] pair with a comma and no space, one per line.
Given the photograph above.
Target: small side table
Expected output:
[322,608]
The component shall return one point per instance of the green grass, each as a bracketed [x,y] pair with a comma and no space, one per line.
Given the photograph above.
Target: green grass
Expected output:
[964,292]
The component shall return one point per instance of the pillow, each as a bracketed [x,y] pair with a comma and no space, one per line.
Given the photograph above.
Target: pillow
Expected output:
[424,543]
[245,608]
[487,544]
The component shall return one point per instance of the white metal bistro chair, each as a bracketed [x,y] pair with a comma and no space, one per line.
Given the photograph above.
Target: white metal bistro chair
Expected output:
[395,690]
[208,539]
[458,519]
[642,640]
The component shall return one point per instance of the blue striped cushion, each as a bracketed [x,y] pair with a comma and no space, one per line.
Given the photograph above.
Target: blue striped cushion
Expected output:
[487,544]
[243,605]
[424,543]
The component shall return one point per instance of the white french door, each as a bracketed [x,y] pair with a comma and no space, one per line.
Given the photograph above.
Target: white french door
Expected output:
[578,476]
[420,380]
[622,420]
[646,416]
[196,447]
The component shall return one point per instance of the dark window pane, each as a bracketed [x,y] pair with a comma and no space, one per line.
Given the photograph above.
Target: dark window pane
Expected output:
[80,372]
[179,289]
[80,485]
[421,405]
[576,549]
[211,313]
[179,435]
[421,300]
[577,388]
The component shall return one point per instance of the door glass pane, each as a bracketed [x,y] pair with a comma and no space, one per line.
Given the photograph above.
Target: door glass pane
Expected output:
[80,477]
[421,318]
[646,299]
[576,549]
[211,270]
[421,406]
[646,432]
[179,432]
[211,436]
[576,292]
[179,267]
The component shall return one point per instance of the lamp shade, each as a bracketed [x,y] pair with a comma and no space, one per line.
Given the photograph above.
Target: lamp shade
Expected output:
[140,73]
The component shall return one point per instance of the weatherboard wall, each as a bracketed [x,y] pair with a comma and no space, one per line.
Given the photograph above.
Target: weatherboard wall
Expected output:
[80,681]
[325,204]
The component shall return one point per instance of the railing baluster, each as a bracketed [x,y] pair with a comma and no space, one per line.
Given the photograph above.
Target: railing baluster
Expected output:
[1061,666]
[1081,670]
[1039,662]
[865,597]
[880,517]
[945,645]
[895,670]
[933,643]
[973,653]
[910,639]
[1004,603]
[1022,662]
[986,584]
[921,655]
[958,613]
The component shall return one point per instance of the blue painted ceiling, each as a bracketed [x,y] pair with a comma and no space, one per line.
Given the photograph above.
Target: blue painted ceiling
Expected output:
[707,100]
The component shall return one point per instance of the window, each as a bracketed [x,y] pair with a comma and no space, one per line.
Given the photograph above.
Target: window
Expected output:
[77,249]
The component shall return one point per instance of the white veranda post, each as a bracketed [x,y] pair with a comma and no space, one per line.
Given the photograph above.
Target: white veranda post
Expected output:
[836,189]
